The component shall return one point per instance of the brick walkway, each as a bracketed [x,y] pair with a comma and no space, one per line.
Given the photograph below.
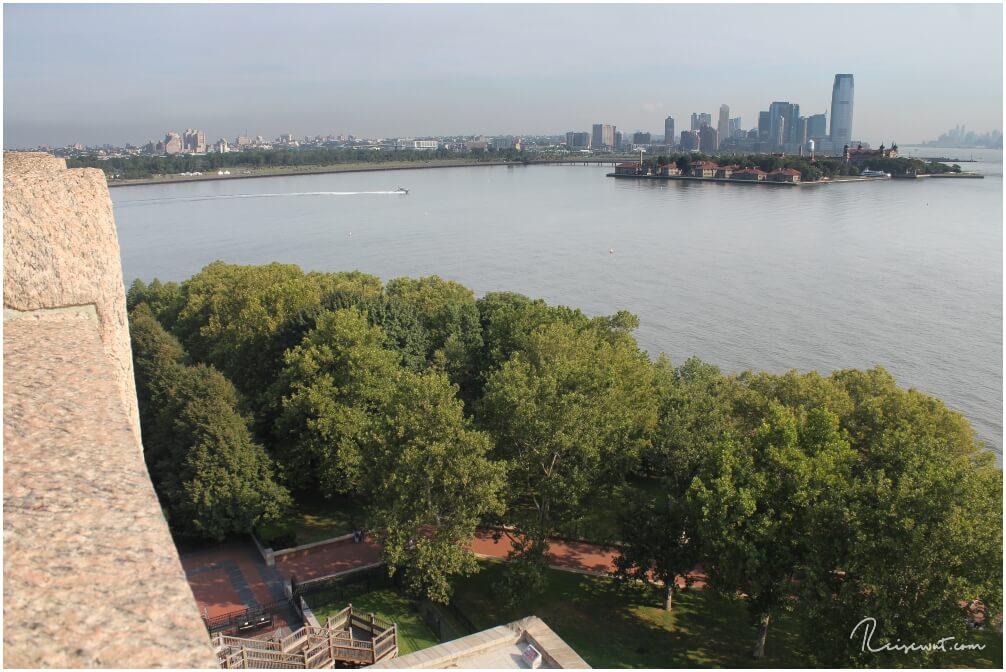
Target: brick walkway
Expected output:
[231,577]
[570,556]
[340,556]
[328,559]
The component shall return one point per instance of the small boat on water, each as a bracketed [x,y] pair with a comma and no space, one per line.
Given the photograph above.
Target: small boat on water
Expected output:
[402,190]
[874,173]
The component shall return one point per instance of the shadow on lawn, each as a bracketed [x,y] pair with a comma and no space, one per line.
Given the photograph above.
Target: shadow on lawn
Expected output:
[617,625]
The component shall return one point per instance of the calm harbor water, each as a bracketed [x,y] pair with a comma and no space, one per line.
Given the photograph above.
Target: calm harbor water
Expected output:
[905,274]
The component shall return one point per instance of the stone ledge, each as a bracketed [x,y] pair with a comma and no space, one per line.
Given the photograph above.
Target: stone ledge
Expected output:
[61,249]
[91,575]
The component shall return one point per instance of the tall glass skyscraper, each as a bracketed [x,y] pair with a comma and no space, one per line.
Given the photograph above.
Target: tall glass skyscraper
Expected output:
[723,124]
[841,110]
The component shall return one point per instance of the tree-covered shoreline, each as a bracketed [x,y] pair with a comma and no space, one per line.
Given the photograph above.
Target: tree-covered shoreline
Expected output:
[829,497]
[138,167]
[145,166]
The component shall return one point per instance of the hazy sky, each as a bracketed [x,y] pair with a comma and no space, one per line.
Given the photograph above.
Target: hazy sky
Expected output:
[129,73]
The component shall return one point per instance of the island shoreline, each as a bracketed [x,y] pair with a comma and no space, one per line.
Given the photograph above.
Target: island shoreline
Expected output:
[326,170]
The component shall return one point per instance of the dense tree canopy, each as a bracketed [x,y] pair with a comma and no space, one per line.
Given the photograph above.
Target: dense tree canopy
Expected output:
[431,482]
[210,475]
[448,312]
[833,497]
[570,414]
[334,387]
[763,502]
[231,313]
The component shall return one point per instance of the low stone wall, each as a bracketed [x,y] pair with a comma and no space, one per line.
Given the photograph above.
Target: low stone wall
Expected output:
[268,555]
[305,547]
[307,614]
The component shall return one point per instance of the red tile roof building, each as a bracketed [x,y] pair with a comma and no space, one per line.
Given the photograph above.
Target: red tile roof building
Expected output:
[784,175]
[704,169]
[627,169]
[749,174]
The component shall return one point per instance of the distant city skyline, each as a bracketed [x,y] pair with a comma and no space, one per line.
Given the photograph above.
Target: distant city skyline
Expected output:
[118,74]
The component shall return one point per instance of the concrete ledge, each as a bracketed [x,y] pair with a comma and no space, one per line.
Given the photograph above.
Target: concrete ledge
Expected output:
[463,651]
[441,655]
[314,544]
[556,652]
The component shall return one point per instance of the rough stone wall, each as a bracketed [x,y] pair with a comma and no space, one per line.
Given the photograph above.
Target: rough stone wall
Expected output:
[61,249]
[91,574]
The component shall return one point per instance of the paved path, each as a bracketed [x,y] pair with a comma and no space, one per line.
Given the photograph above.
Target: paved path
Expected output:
[328,559]
[231,577]
[569,556]
[341,556]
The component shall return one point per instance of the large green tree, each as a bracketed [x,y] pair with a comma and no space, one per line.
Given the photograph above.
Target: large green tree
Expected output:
[232,312]
[922,534]
[659,543]
[334,388]
[431,481]
[761,502]
[224,482]
[448,311]
[210,475]
[695,412]
[165,300]
[570,414]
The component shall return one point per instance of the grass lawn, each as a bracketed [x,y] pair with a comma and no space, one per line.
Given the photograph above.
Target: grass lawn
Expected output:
[600,521]
[413,633]
[626,627]
[323,519]
[315,520]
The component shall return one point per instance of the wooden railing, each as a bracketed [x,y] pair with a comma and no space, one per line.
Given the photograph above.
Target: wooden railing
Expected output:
[386,644]
[260,659]
[314,647]
[237,642]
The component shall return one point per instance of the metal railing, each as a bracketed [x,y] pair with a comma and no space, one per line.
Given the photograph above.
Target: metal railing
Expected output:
[250,618]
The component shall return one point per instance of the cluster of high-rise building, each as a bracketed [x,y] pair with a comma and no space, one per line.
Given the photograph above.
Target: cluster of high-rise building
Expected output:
[191,141]
[781,128]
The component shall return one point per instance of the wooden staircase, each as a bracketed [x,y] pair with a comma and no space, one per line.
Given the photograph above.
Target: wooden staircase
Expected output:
[313,647]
